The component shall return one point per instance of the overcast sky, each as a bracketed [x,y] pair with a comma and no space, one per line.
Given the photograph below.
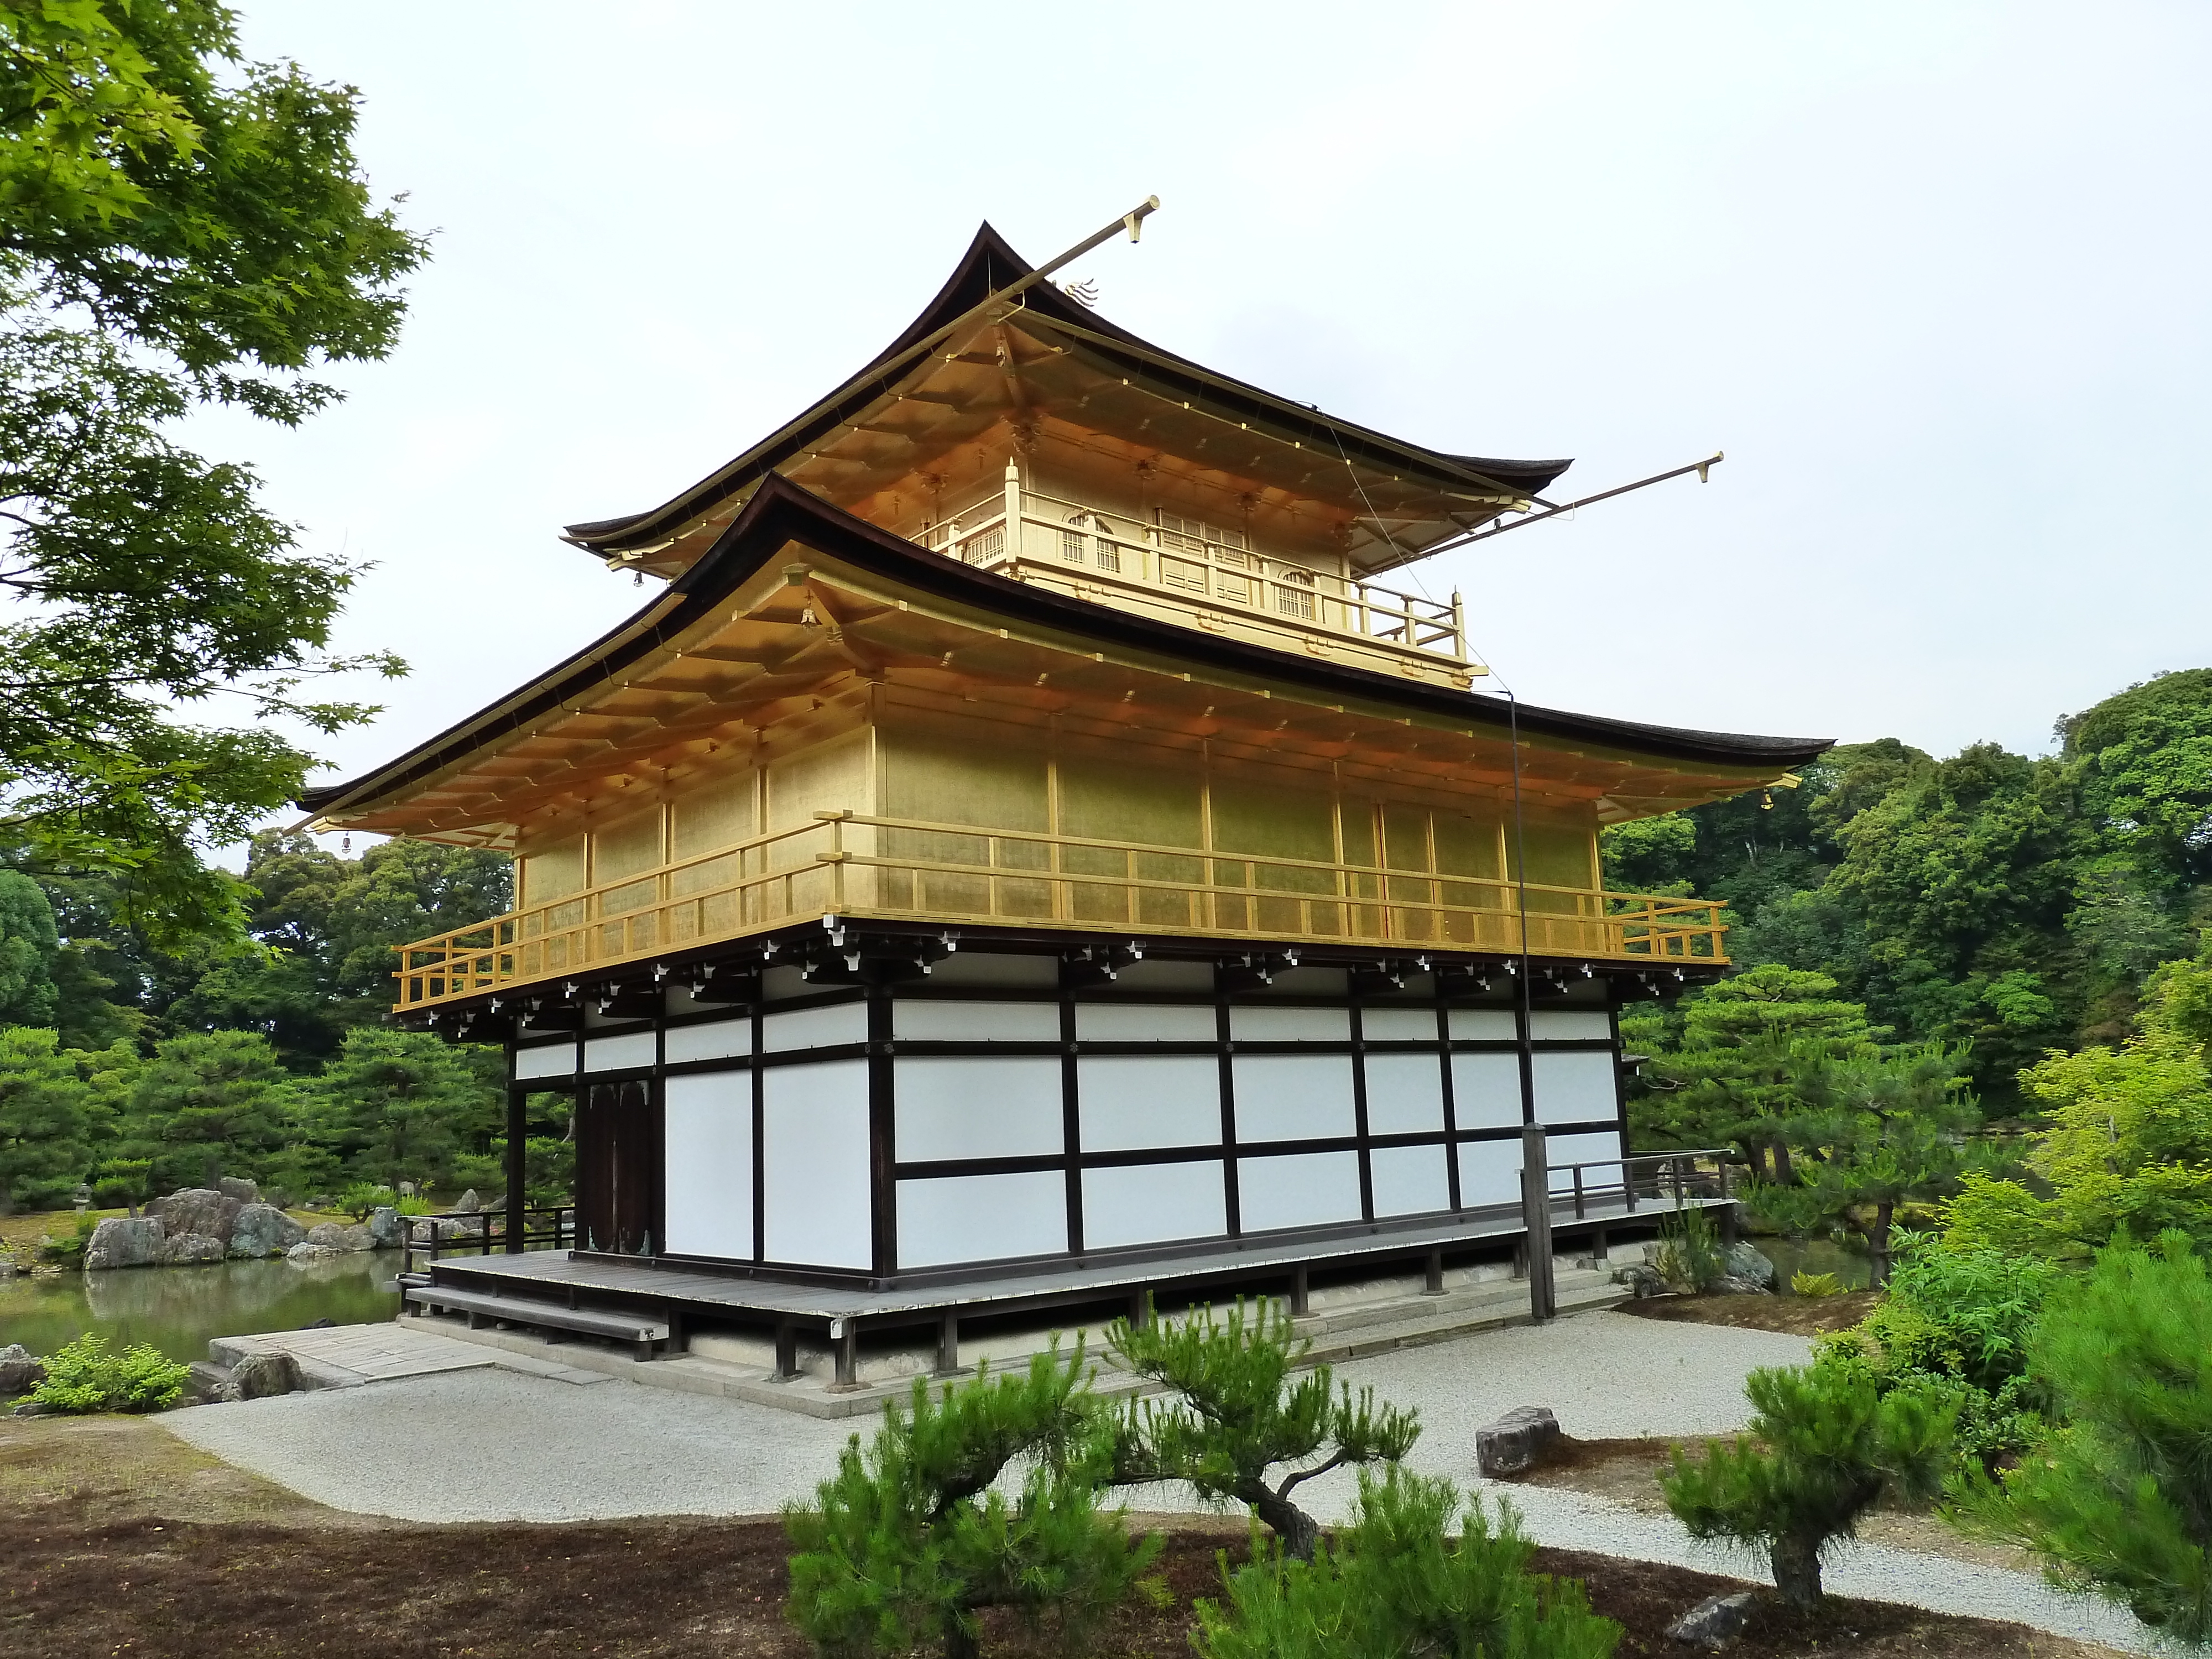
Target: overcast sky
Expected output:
[1933,276]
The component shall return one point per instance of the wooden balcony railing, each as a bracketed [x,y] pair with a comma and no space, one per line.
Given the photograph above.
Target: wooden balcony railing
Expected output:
[851,864]
[1127,561]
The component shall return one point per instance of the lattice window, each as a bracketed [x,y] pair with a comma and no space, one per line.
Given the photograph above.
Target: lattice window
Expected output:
[1294,594]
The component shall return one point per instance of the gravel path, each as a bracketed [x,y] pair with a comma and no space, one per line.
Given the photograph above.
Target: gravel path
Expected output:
[494,1444]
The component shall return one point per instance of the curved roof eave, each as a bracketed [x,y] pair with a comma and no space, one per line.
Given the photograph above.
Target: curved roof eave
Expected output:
[782,511]
[988,265]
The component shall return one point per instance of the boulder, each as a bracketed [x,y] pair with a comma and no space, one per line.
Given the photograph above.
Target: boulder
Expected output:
[1714,1622]
[466,1204]
[1745,1262]
[305,1251]
[189,1249]
[384,1228]
[1643,1280]
[123,1241]
[335,1236]
[262,1229]
[259,1376]
[1731,1284]
[37,1408]
[245,1192]
[197,1210]
[20,1370]
[1515,1441]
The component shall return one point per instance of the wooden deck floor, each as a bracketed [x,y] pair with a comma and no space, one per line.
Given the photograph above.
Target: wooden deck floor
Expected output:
[558,1274]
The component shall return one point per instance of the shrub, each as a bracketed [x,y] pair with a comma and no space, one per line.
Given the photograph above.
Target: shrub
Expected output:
[1691,1257]
[87,1376]
[1393,1583]
[1238,1415]
[68,1251]
[1815,1285]
[908,1539]
[121,1183]
[1825,1446]
[2119,1503]
[358,1200]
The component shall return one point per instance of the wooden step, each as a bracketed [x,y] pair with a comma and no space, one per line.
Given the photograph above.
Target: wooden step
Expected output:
[640,1332]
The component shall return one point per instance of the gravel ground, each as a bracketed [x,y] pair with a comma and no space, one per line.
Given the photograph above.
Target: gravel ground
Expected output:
[493,1444]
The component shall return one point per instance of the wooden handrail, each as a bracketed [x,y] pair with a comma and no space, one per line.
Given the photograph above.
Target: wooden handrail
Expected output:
[847,875]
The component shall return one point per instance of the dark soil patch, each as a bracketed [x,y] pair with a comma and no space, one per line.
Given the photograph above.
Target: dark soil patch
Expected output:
[192,1590]
[1794,1315]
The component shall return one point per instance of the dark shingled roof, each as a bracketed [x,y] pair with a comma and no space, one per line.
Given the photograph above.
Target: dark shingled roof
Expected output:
[988,265]
[782,512]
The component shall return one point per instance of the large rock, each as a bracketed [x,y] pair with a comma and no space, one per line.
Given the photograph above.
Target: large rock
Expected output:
[1714,1622]
[1515,1441]
[20,1370]
[1732,1285]
[383,1227]
[245,1192]
[467,1204]
[1642,1279]
[258,1376]
[1745,1262]
[262,1229]
[197,1210]
[335,1237]
[126,1242]
[304,1251]
[190,1250]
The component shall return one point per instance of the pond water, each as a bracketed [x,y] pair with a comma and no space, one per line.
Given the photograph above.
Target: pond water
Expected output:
[179,1310]
[1815,1256]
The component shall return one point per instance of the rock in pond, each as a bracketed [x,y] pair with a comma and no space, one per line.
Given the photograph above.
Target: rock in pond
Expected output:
[190,1250]
[262,1229]
[308,1251]
[1714,1622]
[197,1210]
[383,1227]
[335,1237]
[126,1242]
[1515,1441]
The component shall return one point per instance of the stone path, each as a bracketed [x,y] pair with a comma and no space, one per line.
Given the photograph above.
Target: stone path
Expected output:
[348,1356]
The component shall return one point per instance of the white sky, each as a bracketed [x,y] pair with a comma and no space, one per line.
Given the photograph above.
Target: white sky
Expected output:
[1933,276]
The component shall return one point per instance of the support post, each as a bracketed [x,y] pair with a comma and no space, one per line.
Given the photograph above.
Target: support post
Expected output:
[948,1342]
[845,1339]
[1432,1274]
[518,1132]
[1597,1245]
[786,1352]
[1141,1308]
[1536,1223]
[1728,1225]
[1301,1293]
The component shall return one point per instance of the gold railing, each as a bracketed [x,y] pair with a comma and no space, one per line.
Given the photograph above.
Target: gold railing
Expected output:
[1127,559]
[851,864]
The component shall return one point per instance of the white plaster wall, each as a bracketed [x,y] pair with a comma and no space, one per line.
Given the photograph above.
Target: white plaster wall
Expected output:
[1570,1025]
[1486,1091]
[1305,1189]
[981,1217]
[725,1039]
[1483,1025]
[1131,1102]
[1289,1025]
[1576,1088]
[976,1022]
[621,1054]
[553,1059]
[951,1107]
[1398,1025]
[1409,1180]
[815,1028]
[815,1142]
[1293,1097]
[1152,1203]
[1584,1148]
[1143,1022]
[1489,1172]
[709,1173]
[1405,1094]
